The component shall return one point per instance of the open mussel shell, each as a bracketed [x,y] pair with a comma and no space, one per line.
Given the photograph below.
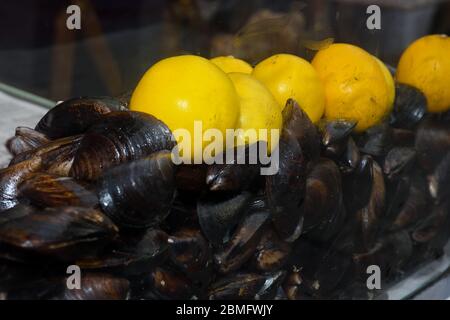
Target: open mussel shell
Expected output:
[243,242]
[271,252]
[97,286]
[432,142]
[64,233]
[236,174]
[25,139]
[245,286]
[189,251]
[47,190]
[410,106]
[139,193]
[120,137]
[130,255]
[75,116]
[218,213]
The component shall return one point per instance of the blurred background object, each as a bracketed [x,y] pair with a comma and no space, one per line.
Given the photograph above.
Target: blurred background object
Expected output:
[119,40]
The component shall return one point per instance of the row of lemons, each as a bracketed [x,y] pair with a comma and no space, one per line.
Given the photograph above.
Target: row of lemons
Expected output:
[342,82]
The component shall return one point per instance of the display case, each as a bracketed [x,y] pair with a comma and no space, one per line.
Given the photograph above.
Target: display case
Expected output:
[359,207]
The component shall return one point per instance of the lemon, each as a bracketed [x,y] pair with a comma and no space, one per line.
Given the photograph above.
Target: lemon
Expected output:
[183,89]
[389,82]
[425,64]
[288,76]
[355,85]
[232,64]
[258,110]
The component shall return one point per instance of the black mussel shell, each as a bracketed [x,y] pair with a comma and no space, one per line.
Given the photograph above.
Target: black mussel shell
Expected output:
[299,126]
[139,193]
[369,218]
[75,116]
[335,131]
[11,177]
[246,286]
[97,286]
[130,255]
[398,161]
[65,232]
[272,253]
[26,139]
[120,137]
[189,251]
[164,283]
[432,142]
[218,213]
[376,141]
[439,181]
[323,197]
[433,225]
[47,190]
[349,160]
[410,107]
[191,177]
[243,242]
[237,174]
[357,186]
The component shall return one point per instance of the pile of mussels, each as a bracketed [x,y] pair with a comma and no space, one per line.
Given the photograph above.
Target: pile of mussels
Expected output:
[93,185]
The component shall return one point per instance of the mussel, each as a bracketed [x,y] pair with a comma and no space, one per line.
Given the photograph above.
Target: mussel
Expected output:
[64,232]
[398,161]
[410,106]
[164,283]
[376,141]
[120,137]
[97,286]
[139,193]
[48,190]
[271,253]
[75,116]
[25,139]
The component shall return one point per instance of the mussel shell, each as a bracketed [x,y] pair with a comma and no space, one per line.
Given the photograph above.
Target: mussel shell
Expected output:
[218,213]
[189,251]
[246,286]
[237,174]
[120,137]
[410,106]
[439,181]
[271,253]
[398,161]
[432,142]
[98,286]
[165,283]
[357,187]
[191,177]
[130,255]
[243,242]
[64,233]
[335,131]
[75,116]
[26,139]
[376,141]
[140,193]
[47,190]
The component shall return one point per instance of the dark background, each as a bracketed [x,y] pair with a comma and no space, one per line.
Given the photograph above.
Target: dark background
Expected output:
[120,39]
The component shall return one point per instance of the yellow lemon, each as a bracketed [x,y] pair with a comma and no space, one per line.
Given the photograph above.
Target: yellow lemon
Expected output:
[389,82]
[288,76]
[355,85]
[232,64]
[425,64]
[184,89]
[258,110]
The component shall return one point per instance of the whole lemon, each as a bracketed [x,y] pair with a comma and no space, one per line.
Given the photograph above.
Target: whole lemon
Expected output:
[355,85]
[232,64]
[258,110]
[288,76]
[183,89]
[425,64]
